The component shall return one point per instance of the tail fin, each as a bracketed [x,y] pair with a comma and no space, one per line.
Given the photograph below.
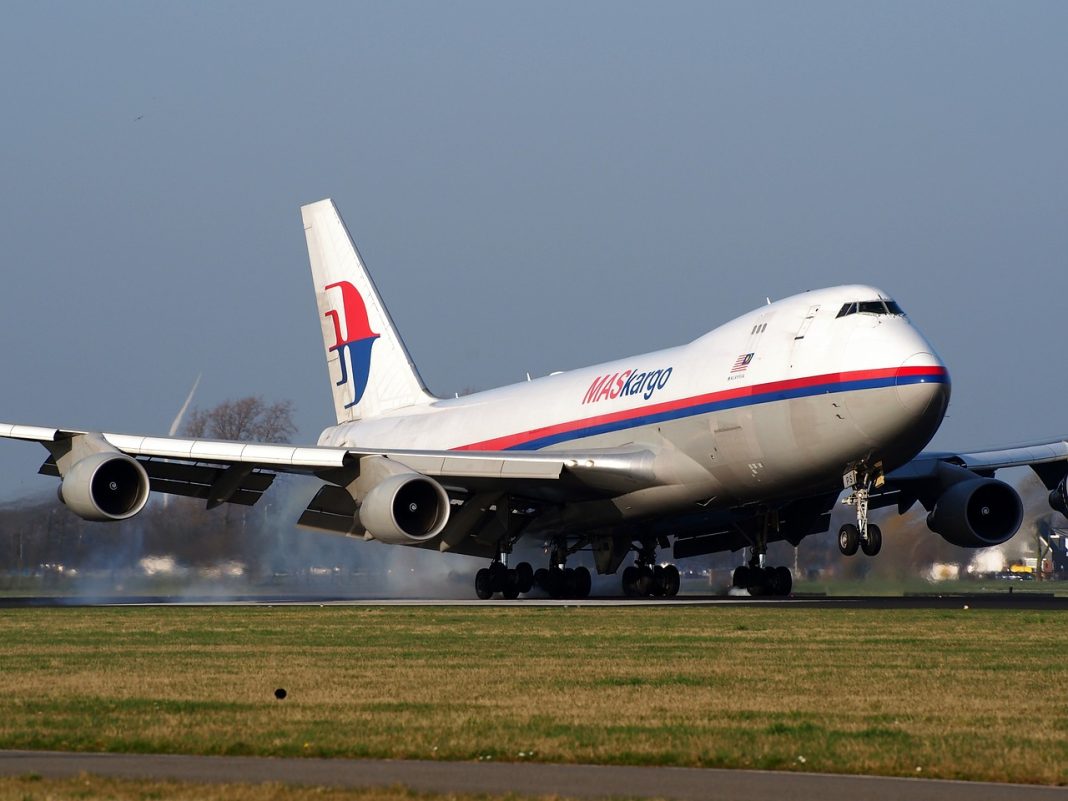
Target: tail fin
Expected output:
[370,368]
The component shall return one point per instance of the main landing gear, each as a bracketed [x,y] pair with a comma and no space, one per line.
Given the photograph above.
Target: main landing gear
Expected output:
[864,536]
[557,580]
[509,582]
[758,578]
[561,581]
[645,578]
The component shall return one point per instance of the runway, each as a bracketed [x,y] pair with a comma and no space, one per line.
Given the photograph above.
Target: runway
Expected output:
[582,781]
[1003,600]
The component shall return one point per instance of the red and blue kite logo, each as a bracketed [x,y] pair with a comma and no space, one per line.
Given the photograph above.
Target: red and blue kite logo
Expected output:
[354,339]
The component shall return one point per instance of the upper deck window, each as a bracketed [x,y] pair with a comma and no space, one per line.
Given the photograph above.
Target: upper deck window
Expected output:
[885,307]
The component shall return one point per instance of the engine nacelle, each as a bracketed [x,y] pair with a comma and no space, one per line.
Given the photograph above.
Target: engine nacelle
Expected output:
[977,513]
[405,508]
[1058,499]
[107,485]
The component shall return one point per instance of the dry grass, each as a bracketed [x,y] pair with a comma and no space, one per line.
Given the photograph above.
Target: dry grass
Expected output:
[33,788]
[951,694]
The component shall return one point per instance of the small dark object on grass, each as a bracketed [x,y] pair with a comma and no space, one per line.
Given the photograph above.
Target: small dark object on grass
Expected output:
[280,694]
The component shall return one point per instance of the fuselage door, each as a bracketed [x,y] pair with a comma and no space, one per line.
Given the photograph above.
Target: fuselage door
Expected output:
[802,331]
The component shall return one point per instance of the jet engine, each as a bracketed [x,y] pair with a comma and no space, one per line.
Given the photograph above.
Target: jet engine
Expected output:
[1058,498]
[405,508]
[977,513]
[106,485]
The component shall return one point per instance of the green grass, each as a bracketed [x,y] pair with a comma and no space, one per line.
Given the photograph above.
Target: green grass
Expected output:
[946,693]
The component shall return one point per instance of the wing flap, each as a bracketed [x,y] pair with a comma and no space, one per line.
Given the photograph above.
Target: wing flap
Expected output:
[279,457]
[332,509]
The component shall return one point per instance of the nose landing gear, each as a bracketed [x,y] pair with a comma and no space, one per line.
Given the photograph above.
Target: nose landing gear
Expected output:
[864,536]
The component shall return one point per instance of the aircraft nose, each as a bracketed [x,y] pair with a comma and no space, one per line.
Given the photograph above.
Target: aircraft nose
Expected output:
[922,386]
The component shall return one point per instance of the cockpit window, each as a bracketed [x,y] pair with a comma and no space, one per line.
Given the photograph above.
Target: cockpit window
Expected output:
[871,307]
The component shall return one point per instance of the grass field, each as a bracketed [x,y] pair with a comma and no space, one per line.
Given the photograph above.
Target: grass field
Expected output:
[954,693]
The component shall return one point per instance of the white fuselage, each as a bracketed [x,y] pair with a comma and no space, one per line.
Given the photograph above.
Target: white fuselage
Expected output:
[778,401]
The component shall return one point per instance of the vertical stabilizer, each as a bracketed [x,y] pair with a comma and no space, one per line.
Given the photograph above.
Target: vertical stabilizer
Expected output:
[370,370]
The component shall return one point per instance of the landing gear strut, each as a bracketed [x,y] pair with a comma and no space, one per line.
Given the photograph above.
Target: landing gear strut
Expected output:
[864,536]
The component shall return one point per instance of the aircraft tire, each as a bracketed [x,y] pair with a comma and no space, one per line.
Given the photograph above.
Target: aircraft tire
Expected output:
[557,583]
[874,543]
[630,581]
[583,582]
[646,581]
[758,581]
[541,578]
[525,575]
[740,579]
[672,581]
[510,590]
[484,584]
[781,581]
[848,539]
[657,587]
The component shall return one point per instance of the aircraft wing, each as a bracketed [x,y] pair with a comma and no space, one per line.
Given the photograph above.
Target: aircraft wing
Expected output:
[1047,459]
[1030,455]
[923,480]
[219,471]
[931,473]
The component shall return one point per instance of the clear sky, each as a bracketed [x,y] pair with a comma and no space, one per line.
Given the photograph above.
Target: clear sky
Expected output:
[534,186]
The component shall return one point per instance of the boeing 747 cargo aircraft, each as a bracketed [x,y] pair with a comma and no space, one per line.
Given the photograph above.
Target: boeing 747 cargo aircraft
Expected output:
[745,436]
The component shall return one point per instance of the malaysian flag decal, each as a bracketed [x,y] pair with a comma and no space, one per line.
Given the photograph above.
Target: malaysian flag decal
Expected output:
[742,363]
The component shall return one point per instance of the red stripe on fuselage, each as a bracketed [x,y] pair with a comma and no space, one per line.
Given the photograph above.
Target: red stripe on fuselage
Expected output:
[511,440]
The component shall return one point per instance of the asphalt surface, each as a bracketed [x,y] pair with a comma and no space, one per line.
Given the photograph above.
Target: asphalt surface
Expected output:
[584,781]
[1029,600]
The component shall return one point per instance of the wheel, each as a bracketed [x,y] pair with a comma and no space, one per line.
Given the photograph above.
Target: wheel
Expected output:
[541,578]
[644,585]
[568,584]
[510,590]
[484,584]
[672,581]
[741,577]
[499,573]
[657,587]
[874,543]
[758,581]
[781,581]
[583,582]
[557,584]
[630,581]
[848,539]
[525,577]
